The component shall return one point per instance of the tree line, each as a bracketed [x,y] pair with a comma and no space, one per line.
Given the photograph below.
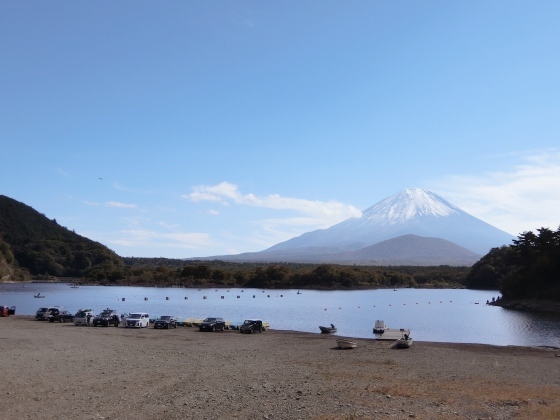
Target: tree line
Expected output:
[527,269]
[172,272]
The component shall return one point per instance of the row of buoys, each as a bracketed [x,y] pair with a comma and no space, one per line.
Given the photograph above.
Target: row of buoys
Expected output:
[359,307]
[204,297]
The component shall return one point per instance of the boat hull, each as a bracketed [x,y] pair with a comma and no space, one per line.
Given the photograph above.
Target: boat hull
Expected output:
[347,344]
[327,330]
[403,343]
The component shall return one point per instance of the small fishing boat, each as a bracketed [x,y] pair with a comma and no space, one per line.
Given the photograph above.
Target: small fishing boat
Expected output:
[379,327]
[403,343]
[328,330]
[39,295]
[347,343]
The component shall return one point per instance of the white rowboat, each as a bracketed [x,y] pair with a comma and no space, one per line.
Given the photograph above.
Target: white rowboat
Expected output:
[346,343]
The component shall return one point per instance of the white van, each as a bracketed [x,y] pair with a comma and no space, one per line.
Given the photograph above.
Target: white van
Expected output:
[83,316]
[43,313]
[137,320]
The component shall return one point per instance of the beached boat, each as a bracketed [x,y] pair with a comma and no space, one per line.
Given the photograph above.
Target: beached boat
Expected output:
[346,343]
[379,327]
[403,343]
[328,330]
[39,295]
[391,334]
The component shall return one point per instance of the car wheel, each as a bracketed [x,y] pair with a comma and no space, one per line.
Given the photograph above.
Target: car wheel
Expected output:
[213,328]
[251,331]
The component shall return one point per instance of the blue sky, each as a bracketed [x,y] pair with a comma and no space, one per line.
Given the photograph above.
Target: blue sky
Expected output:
[196,128]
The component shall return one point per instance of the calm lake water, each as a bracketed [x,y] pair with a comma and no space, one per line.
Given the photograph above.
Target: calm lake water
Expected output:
[446,315]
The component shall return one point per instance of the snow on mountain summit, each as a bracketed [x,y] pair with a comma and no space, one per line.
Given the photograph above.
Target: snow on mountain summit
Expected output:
[408,204]
[410,214]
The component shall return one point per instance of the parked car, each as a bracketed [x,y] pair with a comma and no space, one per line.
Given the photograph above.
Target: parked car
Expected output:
[107,318]
[84,317]
[43,313]
[137,320]
[60,316]
[166,322]
[251,325]
[212,324]
[7,311]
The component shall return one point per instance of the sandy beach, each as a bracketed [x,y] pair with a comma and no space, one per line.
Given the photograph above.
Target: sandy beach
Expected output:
[54,371]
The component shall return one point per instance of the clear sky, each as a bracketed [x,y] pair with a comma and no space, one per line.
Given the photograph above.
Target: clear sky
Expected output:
[195,128]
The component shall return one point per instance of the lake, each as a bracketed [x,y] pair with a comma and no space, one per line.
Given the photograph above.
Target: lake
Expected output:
[439,315]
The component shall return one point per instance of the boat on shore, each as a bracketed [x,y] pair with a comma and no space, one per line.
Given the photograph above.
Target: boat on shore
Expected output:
[379,327]
[38,295]
[327,330]
[392,334]
[347,343]
[404,342]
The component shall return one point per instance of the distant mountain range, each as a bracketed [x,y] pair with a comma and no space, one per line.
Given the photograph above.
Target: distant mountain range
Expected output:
[412,227]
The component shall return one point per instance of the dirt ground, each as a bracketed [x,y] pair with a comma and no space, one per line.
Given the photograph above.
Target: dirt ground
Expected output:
[60,371]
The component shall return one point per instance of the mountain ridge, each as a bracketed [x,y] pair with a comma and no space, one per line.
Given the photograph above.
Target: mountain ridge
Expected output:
[412,211]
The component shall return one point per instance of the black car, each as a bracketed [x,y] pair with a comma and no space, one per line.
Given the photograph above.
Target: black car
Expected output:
[107,318]
[213,324]
[166,322]
[251,325]
[60,316]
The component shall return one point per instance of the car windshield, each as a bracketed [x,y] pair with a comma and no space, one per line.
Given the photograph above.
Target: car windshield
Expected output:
[248,322]
[135,316]
[165,318]
[43,309]
[210,319]
[105,314]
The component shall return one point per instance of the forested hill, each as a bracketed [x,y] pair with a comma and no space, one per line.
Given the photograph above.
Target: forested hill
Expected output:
[527,270]
[43,247]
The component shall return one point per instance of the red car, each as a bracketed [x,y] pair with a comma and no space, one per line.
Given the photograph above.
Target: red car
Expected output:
[7,311]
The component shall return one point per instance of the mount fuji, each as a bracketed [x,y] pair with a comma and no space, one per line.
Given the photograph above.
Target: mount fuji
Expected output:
[412,227]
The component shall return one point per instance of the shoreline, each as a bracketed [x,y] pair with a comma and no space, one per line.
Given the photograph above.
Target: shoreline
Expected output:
[528,305]
[62,371]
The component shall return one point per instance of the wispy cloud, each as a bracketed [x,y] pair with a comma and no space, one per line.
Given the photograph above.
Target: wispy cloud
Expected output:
[63,172]
[525,198]
[319,212]
[140,238]
[114,204]
[120,205]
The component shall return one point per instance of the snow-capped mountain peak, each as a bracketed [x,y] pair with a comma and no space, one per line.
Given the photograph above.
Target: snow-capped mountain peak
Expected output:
[410,214]
[408,204]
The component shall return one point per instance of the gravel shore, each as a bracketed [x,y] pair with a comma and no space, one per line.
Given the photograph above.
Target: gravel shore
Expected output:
[56,371]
